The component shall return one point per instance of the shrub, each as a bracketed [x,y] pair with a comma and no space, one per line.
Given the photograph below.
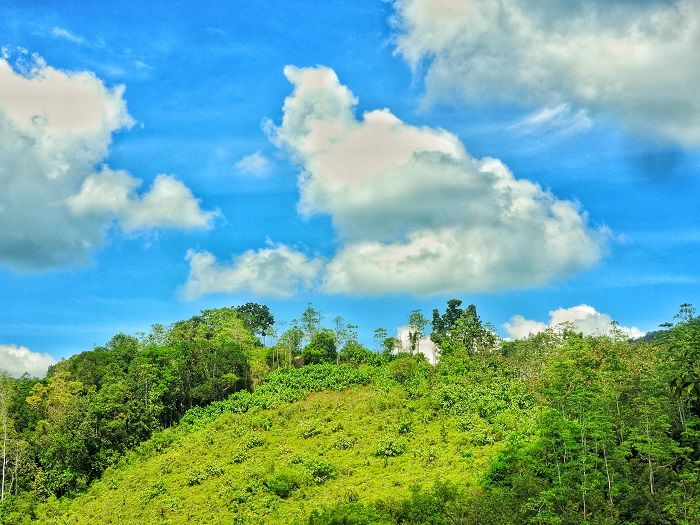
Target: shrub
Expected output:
[282,484]
[321,348]
[343,443]
[238,456]
[351,513]
[405,426]
[389,447]
[408,368]
[154,489]
[196,477]
[320,469]
[254,441]
[310,429]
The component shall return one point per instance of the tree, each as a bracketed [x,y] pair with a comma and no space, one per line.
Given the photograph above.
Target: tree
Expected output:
[256,318]
[442,324]
[380,335]
[6,424]
[416,325]
[290,343]
[683,372]
[311,321]
[465,335]
[321,348]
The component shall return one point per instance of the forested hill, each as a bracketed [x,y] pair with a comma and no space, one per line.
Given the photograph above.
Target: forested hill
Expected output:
[202,423]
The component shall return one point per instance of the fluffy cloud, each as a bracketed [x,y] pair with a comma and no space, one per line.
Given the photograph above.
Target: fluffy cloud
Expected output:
[584,318]
[168,203]
[56,126]
[254,164]
[17,360]
[635,61]
[276,271]
[413,211]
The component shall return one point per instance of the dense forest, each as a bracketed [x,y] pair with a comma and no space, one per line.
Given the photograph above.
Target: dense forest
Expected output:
[228,417]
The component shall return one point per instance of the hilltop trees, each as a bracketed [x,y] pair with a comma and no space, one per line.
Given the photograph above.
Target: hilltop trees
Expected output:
[460,331]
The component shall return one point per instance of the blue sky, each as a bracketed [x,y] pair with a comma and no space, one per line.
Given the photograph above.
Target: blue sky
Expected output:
[607,130]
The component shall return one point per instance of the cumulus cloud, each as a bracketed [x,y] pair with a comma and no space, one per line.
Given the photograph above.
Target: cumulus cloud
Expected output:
[55,208]
[412,210]
[583,317]
[634,61]
[18,360]
[168,203]
[254,164]
[425,344]
[274,271]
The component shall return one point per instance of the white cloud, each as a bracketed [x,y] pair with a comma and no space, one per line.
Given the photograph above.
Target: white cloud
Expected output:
[254,164]
[584,318]
[275,271]
[17,360]
[413,211]
[63,33]
[168,203]
[634,61]
[56,126]
[425,344]
[557,120]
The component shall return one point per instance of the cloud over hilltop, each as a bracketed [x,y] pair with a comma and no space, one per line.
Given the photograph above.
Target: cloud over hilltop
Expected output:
[18,360]
[412,210]
[584,318]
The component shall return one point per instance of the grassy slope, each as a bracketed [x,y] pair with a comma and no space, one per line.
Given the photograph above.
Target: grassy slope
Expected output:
[221,473]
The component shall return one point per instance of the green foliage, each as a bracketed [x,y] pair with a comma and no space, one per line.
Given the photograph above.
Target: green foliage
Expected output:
[321,348]
[408,369]
[349,514]
[556,429]
[683,343]
[256,318]
[282,484]
[356,354]
[320,469]
[390,447]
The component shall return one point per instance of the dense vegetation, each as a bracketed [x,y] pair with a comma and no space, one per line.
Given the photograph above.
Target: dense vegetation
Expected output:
[201,422]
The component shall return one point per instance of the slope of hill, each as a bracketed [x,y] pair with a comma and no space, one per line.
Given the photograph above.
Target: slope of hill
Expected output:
[275,466]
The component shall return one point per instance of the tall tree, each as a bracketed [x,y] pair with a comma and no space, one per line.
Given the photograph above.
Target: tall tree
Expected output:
[256,317]
[311,321]
[416,326]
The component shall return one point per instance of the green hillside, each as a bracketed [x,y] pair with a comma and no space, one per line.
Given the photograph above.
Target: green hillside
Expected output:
[556,429]
[276,465]
[364,443]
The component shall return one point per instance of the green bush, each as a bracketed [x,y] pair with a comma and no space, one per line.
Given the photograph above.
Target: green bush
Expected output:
[349,514]
[407,368]
[282,484]
[405,426]
[310,429]
[389,447]
[343,443]
[154,489]
[320,469]
[254,441]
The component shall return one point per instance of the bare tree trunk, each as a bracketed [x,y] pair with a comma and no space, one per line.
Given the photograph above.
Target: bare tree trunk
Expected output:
[4,450]
[607,474]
